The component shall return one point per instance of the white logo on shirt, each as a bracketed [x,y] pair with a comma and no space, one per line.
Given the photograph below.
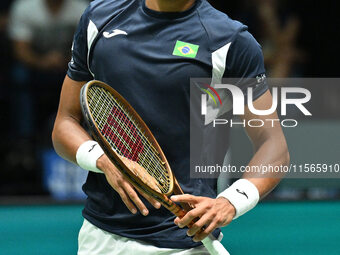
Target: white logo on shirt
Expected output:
[114,33]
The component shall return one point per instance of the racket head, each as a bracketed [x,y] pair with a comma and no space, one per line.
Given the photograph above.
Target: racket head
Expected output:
[108,126]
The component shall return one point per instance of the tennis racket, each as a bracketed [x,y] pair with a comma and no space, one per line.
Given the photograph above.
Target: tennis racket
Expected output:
[131,147]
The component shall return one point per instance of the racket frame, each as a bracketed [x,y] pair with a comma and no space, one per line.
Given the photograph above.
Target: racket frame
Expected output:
[214,246]
[113,156]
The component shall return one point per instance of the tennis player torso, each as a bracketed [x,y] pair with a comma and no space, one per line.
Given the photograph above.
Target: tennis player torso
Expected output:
[149,58]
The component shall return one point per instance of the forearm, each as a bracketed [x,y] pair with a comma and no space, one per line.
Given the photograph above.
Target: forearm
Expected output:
[271,151]
[274,153]
[67,136]
[67,133]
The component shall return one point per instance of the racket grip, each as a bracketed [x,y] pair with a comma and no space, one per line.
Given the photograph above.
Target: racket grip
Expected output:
[174,208]
[213,246]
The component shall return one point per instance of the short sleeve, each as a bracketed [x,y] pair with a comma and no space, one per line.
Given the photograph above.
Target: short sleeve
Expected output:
[20,26]
[245,62]
[77,68]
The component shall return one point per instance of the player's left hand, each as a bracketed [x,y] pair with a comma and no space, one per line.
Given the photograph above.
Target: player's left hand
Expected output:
[212,214]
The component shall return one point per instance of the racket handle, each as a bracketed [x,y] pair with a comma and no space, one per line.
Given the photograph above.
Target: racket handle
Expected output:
[214,246]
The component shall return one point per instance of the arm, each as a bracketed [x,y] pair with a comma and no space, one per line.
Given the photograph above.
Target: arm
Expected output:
[269,145]
[68,135]
[270,149]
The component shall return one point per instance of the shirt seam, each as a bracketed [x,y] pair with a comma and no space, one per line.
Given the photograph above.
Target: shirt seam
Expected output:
[205,30]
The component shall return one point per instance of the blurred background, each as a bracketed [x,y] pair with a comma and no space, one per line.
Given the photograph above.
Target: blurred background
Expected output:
[40,193]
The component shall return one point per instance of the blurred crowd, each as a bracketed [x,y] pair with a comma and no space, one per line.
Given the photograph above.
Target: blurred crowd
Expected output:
[35,45]
[36,40]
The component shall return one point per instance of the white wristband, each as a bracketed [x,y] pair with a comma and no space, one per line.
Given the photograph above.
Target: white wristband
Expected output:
[243,195]
[87,155]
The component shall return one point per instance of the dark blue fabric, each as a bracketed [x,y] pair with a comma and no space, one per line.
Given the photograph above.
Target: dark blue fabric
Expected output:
[141,67]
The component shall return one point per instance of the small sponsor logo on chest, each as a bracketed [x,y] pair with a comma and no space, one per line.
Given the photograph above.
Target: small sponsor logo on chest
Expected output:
[114,32]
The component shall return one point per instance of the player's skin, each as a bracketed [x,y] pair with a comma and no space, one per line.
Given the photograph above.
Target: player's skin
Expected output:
[68,135]
[270,149]
[269,144]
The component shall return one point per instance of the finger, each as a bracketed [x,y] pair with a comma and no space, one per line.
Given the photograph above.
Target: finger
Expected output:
[176,220]
[207,231]
[186,198]
[190,216]
[135,198]
[127,201]
[197,226]
[151,200]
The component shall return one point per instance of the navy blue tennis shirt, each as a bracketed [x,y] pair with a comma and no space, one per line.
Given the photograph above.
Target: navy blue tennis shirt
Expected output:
[133,49]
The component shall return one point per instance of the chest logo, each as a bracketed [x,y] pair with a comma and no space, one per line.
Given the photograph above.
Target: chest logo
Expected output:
[184,49]
[114,33]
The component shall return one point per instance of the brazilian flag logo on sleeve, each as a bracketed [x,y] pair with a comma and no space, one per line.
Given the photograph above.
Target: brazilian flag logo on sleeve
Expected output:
[184,49]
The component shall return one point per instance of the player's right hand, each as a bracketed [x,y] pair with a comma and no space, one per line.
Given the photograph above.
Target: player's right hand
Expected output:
[126,191]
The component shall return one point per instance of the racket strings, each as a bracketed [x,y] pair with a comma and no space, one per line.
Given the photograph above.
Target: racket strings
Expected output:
[102,116]
[124,121]
[124,134]
[138,155]
[144,159]
[124,147]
